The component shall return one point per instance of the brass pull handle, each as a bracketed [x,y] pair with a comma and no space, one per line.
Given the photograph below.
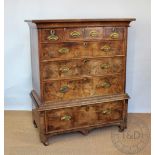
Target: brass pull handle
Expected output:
[75,34]
[64,69]
[104,85]
[63,50]
[106,112]
[104,66]
[53,36]
[66,118]
[105,48]
[93,34]
[114,35]
[64,89]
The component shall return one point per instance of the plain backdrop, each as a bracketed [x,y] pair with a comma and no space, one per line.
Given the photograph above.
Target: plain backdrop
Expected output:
[17,44]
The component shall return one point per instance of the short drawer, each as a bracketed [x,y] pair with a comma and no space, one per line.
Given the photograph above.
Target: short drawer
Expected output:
[94,33]
[114,33]
[61,69]
[102,66]
[52,35]
[108,48]
[66,50]
[74,34]
[108,85]
[59,90]
[83,116]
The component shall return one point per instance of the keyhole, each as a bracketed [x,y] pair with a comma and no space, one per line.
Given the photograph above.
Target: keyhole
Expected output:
[85,44]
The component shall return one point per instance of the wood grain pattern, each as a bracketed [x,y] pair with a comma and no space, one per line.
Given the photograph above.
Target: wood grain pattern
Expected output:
[87,115]
[79,74]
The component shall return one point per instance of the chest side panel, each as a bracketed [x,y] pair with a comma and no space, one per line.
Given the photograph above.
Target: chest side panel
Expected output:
[35,64]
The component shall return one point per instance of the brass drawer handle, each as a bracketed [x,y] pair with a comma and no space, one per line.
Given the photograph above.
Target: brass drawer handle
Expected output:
[75,34]
[93,34]
[105,48]
[53,36]
[66,118]
[63,50]
[104,66]
[104,85]
[64,89]
[64,69]
[106,112]
[114,35]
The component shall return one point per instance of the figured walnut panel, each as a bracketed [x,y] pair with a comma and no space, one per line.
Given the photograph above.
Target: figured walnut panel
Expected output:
[108,48]
[69,118]
[61,69]
[103,66]
[52,35]
[60,90]
[114,33]
[93,33]
[108,85]
[66,50]
[74,34]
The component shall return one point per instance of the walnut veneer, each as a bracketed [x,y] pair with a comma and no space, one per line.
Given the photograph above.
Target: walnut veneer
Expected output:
[78,74]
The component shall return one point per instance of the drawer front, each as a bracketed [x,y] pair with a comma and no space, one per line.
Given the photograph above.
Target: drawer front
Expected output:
[74,68]
[62,90]
[61,69]
[74,34]
[52,35]
[108,85]
[66,50]
[114,33]
[108,48]
[102,66]
[94,33]
[69,118]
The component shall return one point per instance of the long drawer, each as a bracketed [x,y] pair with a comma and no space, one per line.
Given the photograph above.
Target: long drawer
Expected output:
[82,67]
[68,89]
[81,49]
[83,116]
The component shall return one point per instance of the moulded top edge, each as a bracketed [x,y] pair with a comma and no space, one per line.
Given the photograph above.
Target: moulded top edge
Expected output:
[81,20]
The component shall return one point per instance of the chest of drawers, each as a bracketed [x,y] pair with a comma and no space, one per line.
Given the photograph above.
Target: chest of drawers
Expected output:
[78,74]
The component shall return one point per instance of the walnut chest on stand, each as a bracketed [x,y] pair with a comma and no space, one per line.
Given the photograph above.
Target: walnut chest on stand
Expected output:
[78,74]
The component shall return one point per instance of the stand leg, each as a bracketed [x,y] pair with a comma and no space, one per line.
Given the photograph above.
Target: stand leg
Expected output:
[44,139]
[121,127]
[34,123]
[84,132]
